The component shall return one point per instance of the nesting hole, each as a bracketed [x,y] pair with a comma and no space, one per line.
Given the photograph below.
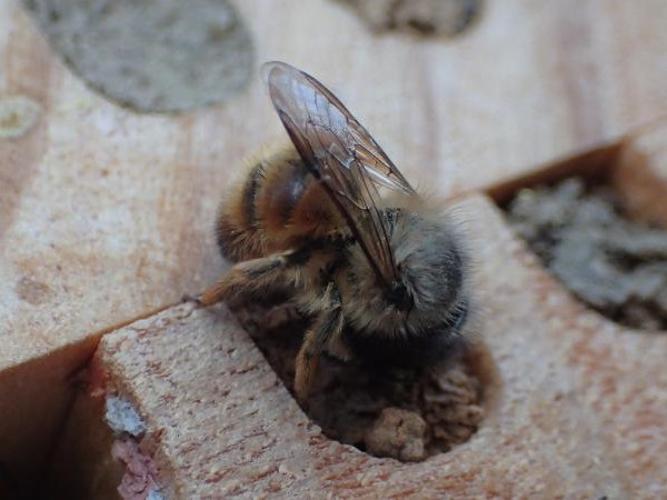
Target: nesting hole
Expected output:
[408,415]
[598,222]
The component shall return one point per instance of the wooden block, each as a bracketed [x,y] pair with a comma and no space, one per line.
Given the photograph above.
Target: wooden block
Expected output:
[106,215]
[35,397]
[575,405]
[640,174]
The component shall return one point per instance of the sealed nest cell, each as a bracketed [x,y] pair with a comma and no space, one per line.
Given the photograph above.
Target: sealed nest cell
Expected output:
[615,265]
[151,56]
[402,414]
[447,18]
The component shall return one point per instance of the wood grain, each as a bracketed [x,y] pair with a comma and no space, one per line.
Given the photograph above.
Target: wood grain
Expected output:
[574,405]
[113,211]
[109,214]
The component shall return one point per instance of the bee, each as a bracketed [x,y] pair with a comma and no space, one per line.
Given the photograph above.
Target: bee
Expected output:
[383,278]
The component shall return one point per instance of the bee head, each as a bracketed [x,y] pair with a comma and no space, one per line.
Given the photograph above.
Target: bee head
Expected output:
[399,295]
[429,286]
[430,266]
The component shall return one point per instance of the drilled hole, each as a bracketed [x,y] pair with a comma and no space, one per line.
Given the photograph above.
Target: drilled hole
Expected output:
[580,227]
[403,414]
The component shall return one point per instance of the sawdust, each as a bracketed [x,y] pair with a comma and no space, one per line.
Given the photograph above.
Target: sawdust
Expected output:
[615,265]
[403,414]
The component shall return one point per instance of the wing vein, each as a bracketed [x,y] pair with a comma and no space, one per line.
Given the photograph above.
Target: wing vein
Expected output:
[344,157]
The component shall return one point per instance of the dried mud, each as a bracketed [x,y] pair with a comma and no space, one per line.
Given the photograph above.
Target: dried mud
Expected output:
[446,18]
[615,265]
[152,56]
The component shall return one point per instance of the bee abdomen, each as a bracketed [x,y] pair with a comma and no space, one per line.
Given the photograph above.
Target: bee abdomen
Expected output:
[236,226]
[275,205]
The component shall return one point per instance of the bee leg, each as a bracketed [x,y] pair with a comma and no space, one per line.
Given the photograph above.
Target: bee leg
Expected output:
[283,314]
[247,276]
[328,325]
[338,349]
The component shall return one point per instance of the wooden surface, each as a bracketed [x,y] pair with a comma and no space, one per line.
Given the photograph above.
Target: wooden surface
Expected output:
[106,214]
[575,406]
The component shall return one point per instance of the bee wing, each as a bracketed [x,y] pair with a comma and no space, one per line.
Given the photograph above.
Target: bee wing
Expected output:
[305,99]
[342,154]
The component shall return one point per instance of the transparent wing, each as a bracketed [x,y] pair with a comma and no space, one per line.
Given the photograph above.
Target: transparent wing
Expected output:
[304,98]
[342,154]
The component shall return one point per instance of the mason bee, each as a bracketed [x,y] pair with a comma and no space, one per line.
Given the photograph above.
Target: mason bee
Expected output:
[383,278]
